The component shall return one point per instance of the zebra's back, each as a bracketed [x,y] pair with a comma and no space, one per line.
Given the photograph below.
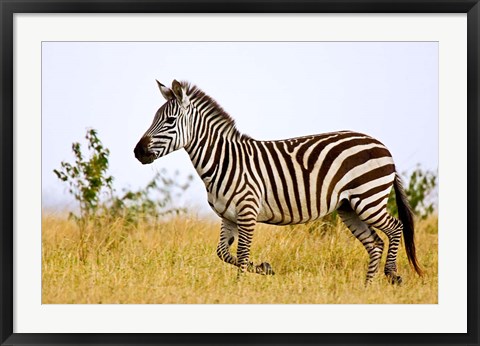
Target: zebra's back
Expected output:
[308,177]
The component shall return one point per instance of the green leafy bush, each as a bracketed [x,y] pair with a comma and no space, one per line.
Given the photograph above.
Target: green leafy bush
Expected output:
[419,188]
[88,180]
[87,177]
[151,202]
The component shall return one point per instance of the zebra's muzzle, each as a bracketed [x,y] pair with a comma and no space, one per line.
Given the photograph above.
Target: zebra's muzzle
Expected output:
[142,152]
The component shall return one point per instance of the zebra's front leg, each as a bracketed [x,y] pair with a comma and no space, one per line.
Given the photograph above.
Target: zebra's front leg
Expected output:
[228,234]
[246,226]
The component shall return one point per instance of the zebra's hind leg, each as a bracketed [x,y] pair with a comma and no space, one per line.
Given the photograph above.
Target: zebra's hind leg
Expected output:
[393,229]
[366,235]
[228,235]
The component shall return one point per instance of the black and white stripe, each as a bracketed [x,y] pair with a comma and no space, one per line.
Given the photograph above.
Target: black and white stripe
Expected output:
[282,182]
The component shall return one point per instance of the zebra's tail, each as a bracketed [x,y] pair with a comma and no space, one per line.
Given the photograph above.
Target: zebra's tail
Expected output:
[405,215]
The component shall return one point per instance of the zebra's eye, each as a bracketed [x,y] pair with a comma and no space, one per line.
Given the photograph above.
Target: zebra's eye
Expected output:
[170,120]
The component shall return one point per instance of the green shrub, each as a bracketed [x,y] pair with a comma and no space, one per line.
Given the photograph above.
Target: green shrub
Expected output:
[87,177]
[88,181]
[151,202]
[419,188]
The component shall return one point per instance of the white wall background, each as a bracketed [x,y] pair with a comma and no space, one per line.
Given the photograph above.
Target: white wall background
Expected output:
[273,90]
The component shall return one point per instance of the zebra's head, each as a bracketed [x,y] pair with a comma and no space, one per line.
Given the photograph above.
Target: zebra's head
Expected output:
[169,130]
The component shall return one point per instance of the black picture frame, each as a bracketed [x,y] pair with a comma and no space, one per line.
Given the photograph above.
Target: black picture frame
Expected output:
[9,7]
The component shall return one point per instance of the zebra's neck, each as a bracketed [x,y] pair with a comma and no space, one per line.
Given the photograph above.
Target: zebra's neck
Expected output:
[211,130]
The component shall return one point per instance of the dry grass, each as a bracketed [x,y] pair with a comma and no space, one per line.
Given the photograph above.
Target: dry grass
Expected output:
[175,262]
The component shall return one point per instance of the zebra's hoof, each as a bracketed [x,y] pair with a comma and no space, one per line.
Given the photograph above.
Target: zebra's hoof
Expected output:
[265,269]
[395,279]
[398,280]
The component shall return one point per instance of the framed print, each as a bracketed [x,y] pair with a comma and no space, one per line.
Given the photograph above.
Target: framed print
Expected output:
[158,156]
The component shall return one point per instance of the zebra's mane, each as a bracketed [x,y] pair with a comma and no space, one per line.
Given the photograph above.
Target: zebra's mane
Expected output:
[197,96]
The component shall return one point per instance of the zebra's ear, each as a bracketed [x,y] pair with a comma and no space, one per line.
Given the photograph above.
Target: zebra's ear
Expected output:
[166,92]
[180,94]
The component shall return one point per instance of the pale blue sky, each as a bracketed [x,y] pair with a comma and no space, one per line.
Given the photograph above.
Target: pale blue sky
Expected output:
[388,90]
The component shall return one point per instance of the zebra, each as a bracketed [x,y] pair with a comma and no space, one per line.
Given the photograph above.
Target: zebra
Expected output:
[282,182]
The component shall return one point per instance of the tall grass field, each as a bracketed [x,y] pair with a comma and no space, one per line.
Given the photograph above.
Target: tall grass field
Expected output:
[175,262]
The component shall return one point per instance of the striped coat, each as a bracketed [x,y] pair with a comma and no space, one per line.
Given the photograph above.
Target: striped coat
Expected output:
[282,182]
